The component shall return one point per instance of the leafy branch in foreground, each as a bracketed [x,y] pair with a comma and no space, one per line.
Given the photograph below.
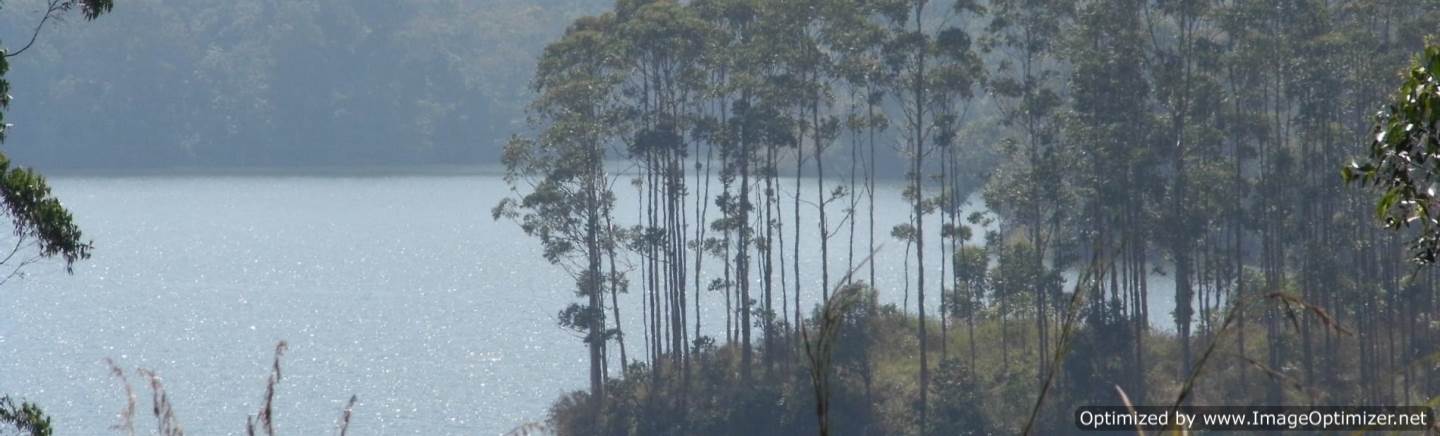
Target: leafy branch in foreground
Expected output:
[56,9]
[39,218]
[1404,159]
[36,214]
[25,417]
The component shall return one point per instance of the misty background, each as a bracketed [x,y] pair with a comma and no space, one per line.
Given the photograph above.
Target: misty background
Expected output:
[210,83]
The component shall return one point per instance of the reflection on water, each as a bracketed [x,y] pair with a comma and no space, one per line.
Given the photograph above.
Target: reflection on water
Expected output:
[400,290]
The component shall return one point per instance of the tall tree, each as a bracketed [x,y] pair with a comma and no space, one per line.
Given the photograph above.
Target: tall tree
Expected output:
[934,65]
[567,198]
[1176,67]
[909,56]
[1026,36]
[1111,125]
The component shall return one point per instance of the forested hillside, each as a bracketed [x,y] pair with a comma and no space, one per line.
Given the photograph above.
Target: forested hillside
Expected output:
[1190,153]
[1200,141]
[278,83]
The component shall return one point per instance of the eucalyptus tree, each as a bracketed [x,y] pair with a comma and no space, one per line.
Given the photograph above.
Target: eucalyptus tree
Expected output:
[1179,61]
[1348,47]
[846,29]
[1008,282]
[730,21]
[907,56]
[855,32]
[916,48]
[831,37]
[1318,94]
[971,265]
[1247,129]
[1110,125]
[958,72]
[746,126]
[779,52]
[662,43]
[755,125]
[562,190]
[38,217]
[1264,36]
[777,93]
[817,73]
[1026,38]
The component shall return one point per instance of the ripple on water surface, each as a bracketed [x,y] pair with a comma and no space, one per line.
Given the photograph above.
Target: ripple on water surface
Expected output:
[401,290]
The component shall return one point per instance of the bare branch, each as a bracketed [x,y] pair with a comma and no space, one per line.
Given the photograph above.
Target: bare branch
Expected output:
[51,11]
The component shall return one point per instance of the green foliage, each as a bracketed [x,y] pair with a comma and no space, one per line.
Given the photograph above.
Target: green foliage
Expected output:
[1182,139]
[35,213]
[1016,277]
[1404,158]
[562,190]
[971,266]
[959,406]
[90,9]
[874,388]
[1092,369]
[715,402]
[563,166]
[26,417]
[38,215]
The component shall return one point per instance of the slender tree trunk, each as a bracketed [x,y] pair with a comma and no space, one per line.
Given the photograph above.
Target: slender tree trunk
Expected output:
[947,217]
[769,269]
[742,259]
[918,180]
[702,211]
[821,199]
[615,282]
[795,256]
[853,199]
[870,171]
[593,281]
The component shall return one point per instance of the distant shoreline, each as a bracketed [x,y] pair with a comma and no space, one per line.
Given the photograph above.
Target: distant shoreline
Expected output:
[296,171]
[437,170]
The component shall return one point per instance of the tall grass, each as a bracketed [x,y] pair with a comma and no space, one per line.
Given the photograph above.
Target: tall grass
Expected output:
[819,350]
[1294,307]
[1286,301]
[127,414]
[1092,275]
[168,424]
[266,416]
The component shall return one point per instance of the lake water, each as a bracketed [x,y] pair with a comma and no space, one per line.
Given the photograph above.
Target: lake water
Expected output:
[398,289]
